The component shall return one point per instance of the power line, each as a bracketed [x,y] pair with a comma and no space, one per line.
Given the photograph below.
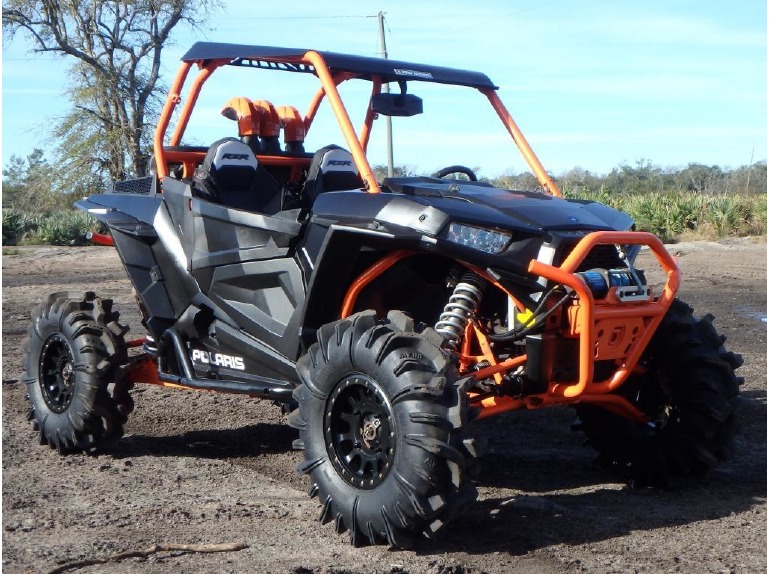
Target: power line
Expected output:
[495,19]
[296,17]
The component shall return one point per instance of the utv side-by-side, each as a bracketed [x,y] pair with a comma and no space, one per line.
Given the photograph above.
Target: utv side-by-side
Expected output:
[386,317]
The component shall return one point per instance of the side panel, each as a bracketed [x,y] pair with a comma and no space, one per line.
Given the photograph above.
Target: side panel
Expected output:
[243,264]
[223,235]
[264,298]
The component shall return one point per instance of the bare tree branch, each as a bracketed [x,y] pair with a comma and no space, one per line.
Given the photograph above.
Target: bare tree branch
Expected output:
[119,46]
[154,549]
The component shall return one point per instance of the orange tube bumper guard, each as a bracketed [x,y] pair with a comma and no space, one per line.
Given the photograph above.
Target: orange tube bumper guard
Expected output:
[591,313]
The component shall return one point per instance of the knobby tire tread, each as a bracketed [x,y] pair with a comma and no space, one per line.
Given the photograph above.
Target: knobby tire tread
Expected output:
[686,357]
[95,338]
[426,485]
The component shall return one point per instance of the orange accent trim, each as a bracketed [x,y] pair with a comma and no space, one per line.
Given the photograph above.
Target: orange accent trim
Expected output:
[175,156]
[521,142]
[616,404]
[500,367]
[359,156]
[312,109]
[467,360]
[196,157]
[491,406]
[145,371]
[172,100]
[590,312]
[482,273]
[282,161]
[348,303]
[293,128]
[270,124]
[584,316]
[136,342]
[101,239]
[242,111]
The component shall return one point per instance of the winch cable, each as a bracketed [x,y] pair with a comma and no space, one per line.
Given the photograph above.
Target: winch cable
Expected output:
[536,322]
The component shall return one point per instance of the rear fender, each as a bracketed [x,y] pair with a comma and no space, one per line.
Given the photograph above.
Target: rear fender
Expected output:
[151,253]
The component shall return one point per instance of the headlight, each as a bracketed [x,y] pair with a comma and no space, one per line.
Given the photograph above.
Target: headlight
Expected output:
[487,240]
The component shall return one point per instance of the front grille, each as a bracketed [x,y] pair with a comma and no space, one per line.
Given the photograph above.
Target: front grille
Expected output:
[138,186]
[600,257]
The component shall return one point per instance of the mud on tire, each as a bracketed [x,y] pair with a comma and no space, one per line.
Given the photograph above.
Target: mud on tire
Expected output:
[380,418]
[73,349]
[690,393]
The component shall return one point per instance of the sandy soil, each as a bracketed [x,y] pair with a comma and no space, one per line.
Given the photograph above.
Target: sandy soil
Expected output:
[205,468]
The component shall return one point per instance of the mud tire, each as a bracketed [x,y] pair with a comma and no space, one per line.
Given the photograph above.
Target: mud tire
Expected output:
[411,481]
[690,393]
[73,350]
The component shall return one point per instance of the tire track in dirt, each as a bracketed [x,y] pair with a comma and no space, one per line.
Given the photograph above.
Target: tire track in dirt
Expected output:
[207,468]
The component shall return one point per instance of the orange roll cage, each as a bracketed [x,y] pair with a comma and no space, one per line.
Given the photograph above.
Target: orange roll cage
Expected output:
[356,142]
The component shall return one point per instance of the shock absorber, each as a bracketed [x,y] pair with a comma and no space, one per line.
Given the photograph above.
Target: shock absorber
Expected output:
[463,303]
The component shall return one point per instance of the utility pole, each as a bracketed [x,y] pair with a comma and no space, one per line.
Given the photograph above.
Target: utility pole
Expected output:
[388,122]
[751,165]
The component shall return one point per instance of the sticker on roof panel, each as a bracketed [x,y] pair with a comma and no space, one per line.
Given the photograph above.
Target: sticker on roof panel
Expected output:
[413,73]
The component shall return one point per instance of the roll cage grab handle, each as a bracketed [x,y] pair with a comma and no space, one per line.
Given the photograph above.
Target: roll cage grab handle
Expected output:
[357,145]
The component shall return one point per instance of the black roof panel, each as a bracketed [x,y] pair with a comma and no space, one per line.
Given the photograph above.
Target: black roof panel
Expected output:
[366,67]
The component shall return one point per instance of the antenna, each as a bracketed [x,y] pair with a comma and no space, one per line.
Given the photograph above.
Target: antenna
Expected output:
[388,122]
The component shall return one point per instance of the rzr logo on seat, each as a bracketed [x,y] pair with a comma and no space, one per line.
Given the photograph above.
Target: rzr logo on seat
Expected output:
[340,162]
[242,156]
[218,359]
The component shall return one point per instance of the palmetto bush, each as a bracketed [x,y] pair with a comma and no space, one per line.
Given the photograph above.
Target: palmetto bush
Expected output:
[63,228]
[16,225]
[672,215]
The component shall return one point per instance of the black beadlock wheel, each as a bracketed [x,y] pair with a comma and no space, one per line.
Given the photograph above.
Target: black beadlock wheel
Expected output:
[690,394]
[57,380]
[381,415]
[360,440]
[73,350]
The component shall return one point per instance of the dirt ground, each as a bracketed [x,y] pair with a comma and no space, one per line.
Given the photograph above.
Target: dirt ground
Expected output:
[205,468]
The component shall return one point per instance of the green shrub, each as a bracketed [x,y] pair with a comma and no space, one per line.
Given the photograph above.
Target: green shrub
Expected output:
[63,228]
[16,225]
[671,215]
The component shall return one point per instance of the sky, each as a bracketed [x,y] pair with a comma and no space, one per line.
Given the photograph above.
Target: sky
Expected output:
[592,84]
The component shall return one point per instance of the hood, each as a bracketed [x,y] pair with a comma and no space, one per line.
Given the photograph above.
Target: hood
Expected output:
[488,206]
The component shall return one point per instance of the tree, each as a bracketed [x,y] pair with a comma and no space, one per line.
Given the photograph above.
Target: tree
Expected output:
[381,171]
[27,184]
[116,47]
[524,181]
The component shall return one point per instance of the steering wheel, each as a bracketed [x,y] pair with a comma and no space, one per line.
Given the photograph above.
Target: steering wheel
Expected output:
[457,169]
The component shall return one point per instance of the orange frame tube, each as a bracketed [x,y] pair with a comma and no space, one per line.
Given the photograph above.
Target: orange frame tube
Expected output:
[192,98]
[521,142]
[589,311]
[351,138]
[173,98]
[367,277]
[366,130]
